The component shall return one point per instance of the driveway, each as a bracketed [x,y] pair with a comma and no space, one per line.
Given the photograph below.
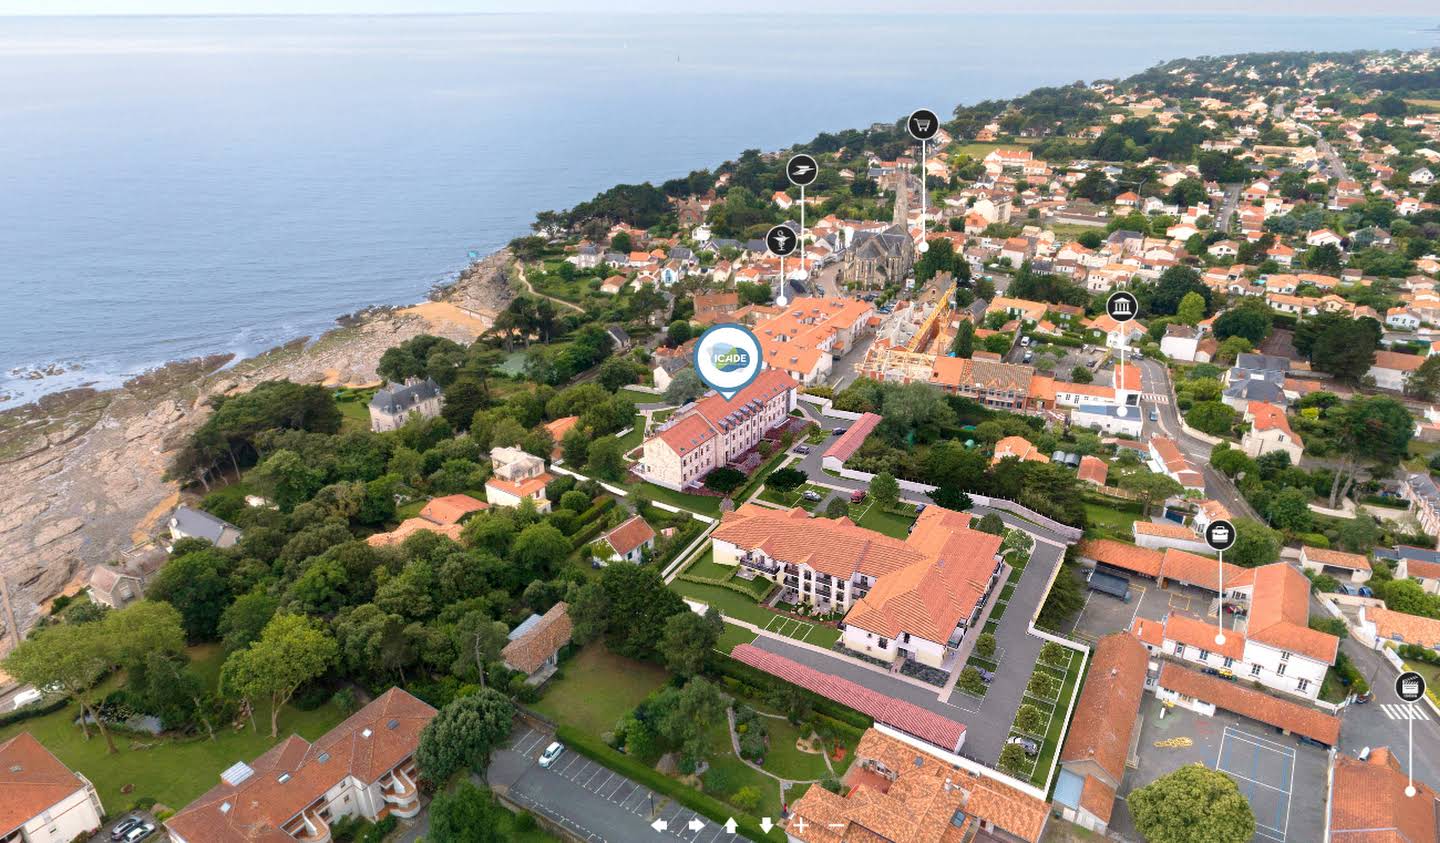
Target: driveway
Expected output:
[587,798]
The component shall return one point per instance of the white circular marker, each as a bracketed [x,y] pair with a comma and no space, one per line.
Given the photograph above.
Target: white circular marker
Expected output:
[922,124]
[727,358]
[1409,790]
[1220,639]
[923,247]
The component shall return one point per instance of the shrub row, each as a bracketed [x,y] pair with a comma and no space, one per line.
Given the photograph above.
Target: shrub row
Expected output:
[32,711]
[724,665]
[728,584]
[745,491]
[693,799]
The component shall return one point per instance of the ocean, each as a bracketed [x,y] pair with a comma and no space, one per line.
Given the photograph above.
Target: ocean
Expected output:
[171,187]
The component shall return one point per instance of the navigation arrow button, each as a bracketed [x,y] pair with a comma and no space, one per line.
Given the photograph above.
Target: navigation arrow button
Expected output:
[660,825]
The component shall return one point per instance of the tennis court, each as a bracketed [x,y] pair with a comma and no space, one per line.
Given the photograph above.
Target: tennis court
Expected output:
[1264,770]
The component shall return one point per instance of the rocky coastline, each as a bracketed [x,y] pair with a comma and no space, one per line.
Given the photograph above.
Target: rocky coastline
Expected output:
[83,470]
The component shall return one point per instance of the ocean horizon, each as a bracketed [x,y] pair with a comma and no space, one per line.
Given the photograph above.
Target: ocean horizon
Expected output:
[178,186]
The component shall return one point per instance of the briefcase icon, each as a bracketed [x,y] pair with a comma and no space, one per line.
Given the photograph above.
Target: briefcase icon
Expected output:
[1221,534]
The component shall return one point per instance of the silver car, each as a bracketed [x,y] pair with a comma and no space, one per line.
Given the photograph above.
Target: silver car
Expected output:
[551,753]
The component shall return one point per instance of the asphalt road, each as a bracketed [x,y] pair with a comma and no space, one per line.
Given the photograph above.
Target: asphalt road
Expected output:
[1384,721]
[1227,208]
[1155,382]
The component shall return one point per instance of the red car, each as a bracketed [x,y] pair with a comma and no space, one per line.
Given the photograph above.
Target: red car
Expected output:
[857,496]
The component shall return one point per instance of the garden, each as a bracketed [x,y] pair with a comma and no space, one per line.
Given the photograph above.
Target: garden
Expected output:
[1042,714]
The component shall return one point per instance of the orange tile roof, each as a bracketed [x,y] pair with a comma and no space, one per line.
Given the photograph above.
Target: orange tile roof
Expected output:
[712,414]
[1256,705]
[630,535]
[1093,470]
[1399,626]
[1194,632]
[528,652]
[1126,377]
[1108,707]
[1420,569]
[1202,571]
[451,508]
[1165,529]
[1266,416]
[1280,614]
[687,434]
[908,802]
[32,780]
[1149,632]
[1336,558]
[411,526]
[931,597]
[558,428]
[831,546]
[1397,361]
[854,436]
[368,745]
[1122,555]
[523,489]
[1369,804]
[1018,447]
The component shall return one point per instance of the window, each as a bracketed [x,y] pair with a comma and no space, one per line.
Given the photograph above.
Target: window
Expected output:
[1179,649]
[884,643]
[1284,656]
[1303,685]
[1229,662]
[1255,670]
[1280,671]
[1204,655]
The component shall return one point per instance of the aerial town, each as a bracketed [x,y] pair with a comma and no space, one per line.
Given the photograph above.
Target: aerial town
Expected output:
[946,568]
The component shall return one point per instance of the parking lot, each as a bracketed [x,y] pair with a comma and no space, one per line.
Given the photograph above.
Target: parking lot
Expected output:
[1284,780]
[587,798]
[1103,614]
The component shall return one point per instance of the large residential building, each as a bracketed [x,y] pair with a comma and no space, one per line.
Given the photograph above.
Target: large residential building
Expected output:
[364,767]
[1204,694]
[189,523]
[806,336]
[1375,625]
[902,599]
[902,793]
[42,800]
[1421,491]
[517,476]
[1107,715]
[1369,802]
[710,433]
[1278,648]
[398,403]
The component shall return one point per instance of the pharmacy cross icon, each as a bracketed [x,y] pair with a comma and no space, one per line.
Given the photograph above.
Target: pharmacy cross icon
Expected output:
[923,124]
[781,241]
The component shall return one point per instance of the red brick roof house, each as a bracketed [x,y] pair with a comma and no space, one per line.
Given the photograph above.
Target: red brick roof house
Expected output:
[1092,761]
[40,798]
[535,644]
[629,541]
[364,767]
[1369,805]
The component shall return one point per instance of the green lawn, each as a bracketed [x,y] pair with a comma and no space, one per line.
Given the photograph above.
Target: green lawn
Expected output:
[597,688]
[703,504]
[638,397]
[736,606]
[706,566]
[173,771]
[732,636]
[893,524]
[796,497]
[354,410]
[727,773]
[1051,745]
[784,760]
[1110,519]
[636,436]
[410,510]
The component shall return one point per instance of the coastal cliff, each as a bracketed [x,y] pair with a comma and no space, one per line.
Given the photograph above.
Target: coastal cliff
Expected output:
[83,470]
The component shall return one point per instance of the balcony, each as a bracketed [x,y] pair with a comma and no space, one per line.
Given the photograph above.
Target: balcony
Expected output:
[759,563]
[401,794]
[313,828]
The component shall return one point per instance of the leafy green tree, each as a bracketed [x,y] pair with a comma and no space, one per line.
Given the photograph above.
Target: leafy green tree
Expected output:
[688,638]
[291,651]
[1232,461]
[462,735]
[991,523]
[1013,760]
[1255,544]
[1082,374]
[589,610]
[466,814]
[885,490]
[72,658]
[1030,719]
[540,549]
[677,333]
[964,345]
[837,508]
[1423,384]
[1194,804]
[463,398]
[1151,487]
[685,386]
[1192,309]
[1250,319]
[375,643]
[607,458]
[1409,597]
[1213,417]
[985,645]
[786,479]
[724,479]
[1289,509]
[618,372]
[1359,534]
[639,605]
[285,479]
[1172,287]
[196,584]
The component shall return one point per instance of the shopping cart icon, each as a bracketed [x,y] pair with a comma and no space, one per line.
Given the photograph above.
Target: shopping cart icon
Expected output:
[922,124]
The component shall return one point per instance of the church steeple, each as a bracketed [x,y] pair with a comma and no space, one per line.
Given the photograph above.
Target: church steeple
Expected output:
[902,200]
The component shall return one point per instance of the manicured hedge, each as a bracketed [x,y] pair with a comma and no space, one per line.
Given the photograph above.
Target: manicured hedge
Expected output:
[731,585]
[32,711]
[638,771]
[724,665]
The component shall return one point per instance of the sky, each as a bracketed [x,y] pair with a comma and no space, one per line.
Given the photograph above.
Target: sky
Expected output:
[204,7]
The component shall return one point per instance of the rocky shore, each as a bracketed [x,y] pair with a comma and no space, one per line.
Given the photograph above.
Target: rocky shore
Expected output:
[83,470]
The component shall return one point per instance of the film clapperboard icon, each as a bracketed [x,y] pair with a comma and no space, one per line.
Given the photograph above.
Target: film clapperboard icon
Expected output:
[1410,687]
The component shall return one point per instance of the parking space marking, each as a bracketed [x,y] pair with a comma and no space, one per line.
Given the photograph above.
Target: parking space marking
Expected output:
[618,785]
[572,760]
[602,784]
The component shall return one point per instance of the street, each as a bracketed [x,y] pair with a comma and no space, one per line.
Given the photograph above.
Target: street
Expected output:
[1384,721]
[1155,383]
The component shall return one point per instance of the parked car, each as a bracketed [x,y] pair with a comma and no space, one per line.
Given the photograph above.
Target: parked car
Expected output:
[1031,747]
[986,676]
[140,832]
[838,431]
[551,753]
[802,448]
[123,827]
[920,507]
[811,495]
[1029,355]
[1154,415]
[857,496]
[1025,342]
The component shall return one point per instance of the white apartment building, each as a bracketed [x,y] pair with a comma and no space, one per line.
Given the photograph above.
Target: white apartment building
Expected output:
[710,433]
